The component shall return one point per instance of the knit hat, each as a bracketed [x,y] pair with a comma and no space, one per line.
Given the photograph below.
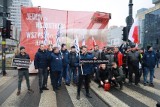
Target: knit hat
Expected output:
[148,47]
[22,47]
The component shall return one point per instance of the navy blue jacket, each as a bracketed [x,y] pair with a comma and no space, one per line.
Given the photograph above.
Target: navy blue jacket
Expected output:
[40,60]
[56,62]
[149,59]
[87,68]
[65,55]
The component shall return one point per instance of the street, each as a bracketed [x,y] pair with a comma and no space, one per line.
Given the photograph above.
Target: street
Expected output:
[130,96]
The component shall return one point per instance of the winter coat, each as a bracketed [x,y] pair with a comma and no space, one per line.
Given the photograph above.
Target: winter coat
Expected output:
[65,55]
[149,59]
[103,74]
[87,68]
[73,59]
[40,60]
[133,59]
[56,62]
[118,58]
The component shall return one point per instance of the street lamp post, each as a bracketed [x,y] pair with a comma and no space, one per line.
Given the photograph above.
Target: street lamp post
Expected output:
[129,19]
[4,40]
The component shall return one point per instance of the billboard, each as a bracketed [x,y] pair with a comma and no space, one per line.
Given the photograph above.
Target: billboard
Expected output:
[41,25]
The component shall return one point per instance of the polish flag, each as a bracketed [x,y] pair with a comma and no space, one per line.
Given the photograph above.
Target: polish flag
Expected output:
[133,33]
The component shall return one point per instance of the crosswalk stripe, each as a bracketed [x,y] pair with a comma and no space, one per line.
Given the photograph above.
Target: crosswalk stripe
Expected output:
[13,100]
[150,89]
[156,80]
[83,102]
[48,98]
[4,80]
[142,98]
[107,97]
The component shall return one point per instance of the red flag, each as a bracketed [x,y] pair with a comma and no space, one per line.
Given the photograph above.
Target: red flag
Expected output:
[133,33]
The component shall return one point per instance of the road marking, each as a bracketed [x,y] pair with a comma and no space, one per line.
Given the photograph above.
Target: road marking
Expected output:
[48,98]
[107,97]
[13,100]
[138,96]
[83,102]
[4,80]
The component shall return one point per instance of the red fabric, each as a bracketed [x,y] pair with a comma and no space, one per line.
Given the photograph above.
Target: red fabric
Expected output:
[120,59]
[135,35]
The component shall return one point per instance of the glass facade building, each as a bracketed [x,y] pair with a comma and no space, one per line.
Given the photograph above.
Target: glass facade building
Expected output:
[151,30]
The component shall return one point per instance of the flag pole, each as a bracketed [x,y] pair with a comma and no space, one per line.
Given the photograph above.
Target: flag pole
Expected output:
[79,61]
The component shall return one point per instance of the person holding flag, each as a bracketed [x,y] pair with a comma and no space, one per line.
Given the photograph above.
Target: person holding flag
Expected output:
[84,73]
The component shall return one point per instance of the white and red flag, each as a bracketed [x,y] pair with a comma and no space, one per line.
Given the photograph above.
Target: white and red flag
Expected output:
[94,42]
[133,33]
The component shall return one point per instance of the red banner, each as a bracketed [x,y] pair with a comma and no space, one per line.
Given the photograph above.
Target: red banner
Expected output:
[40,25]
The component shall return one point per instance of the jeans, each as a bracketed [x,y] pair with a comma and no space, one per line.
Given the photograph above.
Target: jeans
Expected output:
[146,71]
[22,73]
[42,73]
[74,74]
[157,63]
[65,74]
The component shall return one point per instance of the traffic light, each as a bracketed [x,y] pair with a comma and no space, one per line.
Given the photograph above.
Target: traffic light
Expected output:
[125,34]
[8,29]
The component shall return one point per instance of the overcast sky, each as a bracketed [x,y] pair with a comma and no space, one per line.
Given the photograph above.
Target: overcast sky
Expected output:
[118,8]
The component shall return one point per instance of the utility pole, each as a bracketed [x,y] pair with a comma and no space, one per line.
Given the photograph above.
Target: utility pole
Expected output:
[3,38]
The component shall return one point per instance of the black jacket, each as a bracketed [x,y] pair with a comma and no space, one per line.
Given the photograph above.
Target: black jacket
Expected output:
[103,75]
[73,59]
[40,60]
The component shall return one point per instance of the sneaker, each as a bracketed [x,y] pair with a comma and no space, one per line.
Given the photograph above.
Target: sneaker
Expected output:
[88,95]
[137,85]
[67,84]
[30,91]
[18,93]
[144,84]
[78,97]
[45,88]
[151,85]
[121,87]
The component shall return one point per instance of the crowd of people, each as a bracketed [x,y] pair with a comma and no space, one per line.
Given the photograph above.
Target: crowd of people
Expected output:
[64,65]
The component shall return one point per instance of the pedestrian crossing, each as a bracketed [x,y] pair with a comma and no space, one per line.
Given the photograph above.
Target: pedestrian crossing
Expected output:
[130,96]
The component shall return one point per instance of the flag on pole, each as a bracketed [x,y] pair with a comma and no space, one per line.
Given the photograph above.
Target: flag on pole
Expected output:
[45,36]
[83,41]
[76,44]
[133,33]
[58,37]
[93,41]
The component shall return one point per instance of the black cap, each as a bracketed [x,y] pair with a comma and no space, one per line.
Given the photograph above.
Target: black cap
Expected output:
[22,47]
